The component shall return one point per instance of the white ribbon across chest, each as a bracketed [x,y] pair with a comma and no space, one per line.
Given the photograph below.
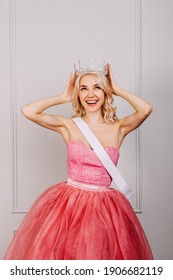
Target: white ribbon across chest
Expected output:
[117,178]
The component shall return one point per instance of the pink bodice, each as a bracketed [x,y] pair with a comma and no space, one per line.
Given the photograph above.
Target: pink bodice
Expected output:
[84,165]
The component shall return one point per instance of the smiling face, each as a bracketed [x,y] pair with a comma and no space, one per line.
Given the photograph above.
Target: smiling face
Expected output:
[91,95]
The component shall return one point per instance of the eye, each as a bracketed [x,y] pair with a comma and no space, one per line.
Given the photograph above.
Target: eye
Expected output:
[82,89]
[97,87]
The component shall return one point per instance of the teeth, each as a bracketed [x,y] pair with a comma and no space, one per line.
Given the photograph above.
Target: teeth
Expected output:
[91,102]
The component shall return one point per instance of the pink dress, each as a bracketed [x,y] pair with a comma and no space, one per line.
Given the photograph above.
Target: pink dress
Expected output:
[81,219]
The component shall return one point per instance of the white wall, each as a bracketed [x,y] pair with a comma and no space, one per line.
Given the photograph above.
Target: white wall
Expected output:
[157,134]
[40,41]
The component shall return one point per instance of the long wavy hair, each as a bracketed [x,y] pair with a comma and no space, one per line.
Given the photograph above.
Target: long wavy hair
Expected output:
[108,110]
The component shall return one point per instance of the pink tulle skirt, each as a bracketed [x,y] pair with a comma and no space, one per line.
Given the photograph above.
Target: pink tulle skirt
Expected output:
[70,223]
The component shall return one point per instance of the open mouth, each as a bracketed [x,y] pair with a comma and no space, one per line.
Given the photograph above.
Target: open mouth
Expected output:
[91,102]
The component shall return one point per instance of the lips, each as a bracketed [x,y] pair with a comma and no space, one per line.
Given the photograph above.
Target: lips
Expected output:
[91,102]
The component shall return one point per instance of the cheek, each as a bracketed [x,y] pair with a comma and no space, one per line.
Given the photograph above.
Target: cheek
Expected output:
[101,95]
[82,96]
[81,99]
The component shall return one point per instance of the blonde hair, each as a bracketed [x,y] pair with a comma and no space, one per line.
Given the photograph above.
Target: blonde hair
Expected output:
[108,111]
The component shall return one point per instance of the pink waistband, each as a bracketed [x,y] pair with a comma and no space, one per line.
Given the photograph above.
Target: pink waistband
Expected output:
[87,186]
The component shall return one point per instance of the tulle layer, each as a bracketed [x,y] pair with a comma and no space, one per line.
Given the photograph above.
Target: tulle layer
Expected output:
[68,223]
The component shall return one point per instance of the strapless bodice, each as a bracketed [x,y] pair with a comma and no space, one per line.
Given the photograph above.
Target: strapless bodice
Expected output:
[84,165]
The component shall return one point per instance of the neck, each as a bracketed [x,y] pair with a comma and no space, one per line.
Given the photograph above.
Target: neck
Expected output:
[94,118]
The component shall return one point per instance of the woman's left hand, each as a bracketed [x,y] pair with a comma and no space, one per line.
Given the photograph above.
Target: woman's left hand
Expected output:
[111,79]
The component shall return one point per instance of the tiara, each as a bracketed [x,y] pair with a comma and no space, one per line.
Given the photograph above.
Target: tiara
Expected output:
[90,69]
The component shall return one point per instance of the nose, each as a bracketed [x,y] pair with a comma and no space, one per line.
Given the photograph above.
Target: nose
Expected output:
[90,93]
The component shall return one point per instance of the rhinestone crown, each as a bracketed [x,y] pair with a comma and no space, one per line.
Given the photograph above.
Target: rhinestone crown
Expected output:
[90,69]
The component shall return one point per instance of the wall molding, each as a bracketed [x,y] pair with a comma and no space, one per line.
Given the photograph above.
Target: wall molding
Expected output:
[138,91]
[13,93]
[13,97]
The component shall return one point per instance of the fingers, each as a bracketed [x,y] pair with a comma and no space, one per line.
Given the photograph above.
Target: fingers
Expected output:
[111,78]
[73,76]
[71,81]
[107,67]
[109,72]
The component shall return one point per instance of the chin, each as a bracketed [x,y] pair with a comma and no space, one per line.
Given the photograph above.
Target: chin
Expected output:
[92,110]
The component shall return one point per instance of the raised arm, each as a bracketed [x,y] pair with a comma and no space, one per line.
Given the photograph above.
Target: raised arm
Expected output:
[34,111]
[142,108]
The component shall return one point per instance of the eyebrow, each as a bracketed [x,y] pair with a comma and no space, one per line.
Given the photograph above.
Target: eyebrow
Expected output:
[86,86]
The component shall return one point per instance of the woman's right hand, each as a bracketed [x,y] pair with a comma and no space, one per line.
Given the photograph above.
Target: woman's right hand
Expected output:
[68,92]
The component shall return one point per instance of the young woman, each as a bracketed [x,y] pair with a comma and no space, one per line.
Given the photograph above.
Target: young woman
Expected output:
[84,218]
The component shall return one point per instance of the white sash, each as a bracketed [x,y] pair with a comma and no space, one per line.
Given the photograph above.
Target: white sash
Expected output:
[104,158]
